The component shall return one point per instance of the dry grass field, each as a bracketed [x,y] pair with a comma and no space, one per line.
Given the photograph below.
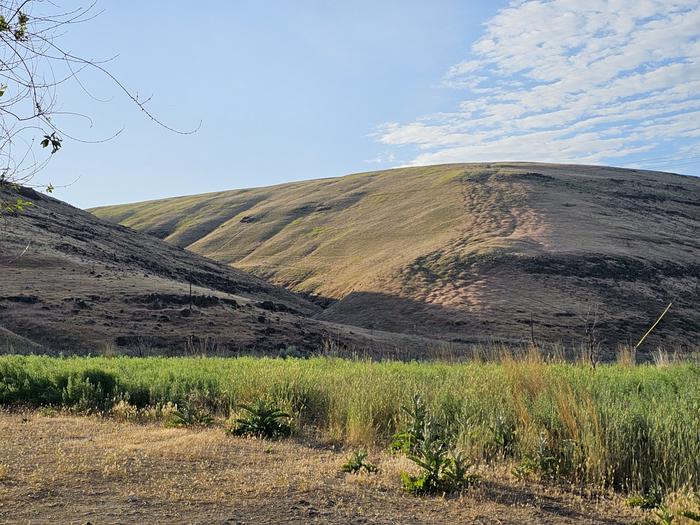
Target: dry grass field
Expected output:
[75,470]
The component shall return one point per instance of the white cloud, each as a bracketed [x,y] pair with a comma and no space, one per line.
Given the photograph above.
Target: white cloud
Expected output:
[382,159]
[565,80]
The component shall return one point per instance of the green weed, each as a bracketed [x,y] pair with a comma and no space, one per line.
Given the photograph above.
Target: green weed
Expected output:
[262,420]
[188,415]
[357,462]
[661,512]
[443,469]
[408,440]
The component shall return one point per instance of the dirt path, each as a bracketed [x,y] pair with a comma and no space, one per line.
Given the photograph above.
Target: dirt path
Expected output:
[88,470]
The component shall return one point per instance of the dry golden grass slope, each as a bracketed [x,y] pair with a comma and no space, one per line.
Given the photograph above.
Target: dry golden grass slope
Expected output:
[464,251]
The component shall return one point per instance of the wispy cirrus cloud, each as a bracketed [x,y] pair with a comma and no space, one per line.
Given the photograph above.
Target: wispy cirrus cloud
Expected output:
[565,80]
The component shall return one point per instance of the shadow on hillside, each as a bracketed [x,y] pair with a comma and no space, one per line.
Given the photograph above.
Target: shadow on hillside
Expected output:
[512,324]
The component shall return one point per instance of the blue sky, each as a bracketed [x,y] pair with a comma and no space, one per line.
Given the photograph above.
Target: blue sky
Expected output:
[292,90]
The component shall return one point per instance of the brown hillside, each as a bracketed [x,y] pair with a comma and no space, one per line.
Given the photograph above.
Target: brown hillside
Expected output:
[73,283]
[464,251]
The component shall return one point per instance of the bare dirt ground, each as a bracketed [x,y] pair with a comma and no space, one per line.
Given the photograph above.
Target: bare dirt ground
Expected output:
[92,470]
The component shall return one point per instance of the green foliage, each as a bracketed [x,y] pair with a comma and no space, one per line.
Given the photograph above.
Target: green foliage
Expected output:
[504,436]
[443,469]
[262,420]
[356,463]
[408,440]
[665,515]
[690,515]
[648,501]
[661,512]
[52,140]
[542,462]
[19,31]
[189,415]
[289,351]
[89,391]
[16,206]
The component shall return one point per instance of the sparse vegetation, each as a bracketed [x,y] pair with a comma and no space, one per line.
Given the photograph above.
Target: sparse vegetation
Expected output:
[189,416]
[628,428]
[662,512]
[412,243]
[357,462]
[195,475]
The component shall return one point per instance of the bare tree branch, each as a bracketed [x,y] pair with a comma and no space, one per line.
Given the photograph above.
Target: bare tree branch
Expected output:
[33,66]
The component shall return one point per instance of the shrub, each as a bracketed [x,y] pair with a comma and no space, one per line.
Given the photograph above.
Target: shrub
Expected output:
[188,415]
[262,420]
[290,351]
[443,469]
[356,463]
[89,391]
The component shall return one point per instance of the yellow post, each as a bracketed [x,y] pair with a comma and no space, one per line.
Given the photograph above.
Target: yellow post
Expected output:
[653,326]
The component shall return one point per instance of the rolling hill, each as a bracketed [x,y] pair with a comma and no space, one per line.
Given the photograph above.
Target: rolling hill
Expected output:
[464,252]
[73,283]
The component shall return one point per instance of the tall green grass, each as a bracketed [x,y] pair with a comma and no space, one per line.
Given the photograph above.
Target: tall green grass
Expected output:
[631,428]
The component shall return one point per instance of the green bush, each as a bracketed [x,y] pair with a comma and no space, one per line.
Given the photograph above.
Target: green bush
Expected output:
[357,462]
[91,390]
[443,469]
[262,420]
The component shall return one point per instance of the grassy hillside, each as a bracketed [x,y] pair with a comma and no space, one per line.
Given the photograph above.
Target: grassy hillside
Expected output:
[329,236]
[464,251]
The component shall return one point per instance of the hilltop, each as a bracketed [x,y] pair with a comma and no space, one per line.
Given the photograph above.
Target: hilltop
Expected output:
[73,283]
[463,252]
